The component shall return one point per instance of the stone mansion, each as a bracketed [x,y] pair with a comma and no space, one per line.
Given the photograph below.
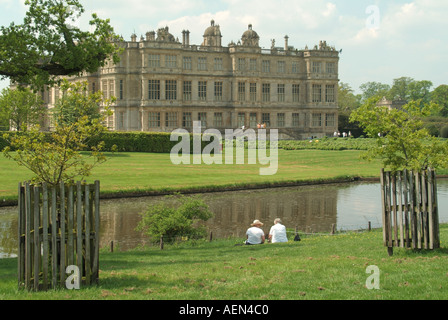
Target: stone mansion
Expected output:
[162,84]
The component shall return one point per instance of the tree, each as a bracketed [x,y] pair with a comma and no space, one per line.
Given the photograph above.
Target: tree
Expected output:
[76,104]
[46,46]
[21,107]
[347,100]
[440,96]
[57,156]
[178,219]
[374,89]
[403,142]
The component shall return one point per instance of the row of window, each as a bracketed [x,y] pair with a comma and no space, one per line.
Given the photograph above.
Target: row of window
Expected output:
[241,64]
[154,91]
[171,120]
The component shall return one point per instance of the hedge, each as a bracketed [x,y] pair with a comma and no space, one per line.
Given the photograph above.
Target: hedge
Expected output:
[153,142]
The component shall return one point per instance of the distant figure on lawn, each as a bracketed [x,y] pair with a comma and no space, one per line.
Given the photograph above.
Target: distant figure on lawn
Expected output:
[278,232]
[255,234]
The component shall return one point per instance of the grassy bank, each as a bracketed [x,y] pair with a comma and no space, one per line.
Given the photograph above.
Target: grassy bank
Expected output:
[316,268]
[127,173]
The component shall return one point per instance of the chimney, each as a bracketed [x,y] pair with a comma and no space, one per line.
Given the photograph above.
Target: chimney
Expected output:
[187,38]
[183,38]
[286,43]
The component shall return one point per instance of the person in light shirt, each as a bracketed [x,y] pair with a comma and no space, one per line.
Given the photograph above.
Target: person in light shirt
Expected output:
[255,234]
[278,232]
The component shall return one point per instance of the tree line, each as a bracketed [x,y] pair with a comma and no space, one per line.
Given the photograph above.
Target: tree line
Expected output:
[404,89]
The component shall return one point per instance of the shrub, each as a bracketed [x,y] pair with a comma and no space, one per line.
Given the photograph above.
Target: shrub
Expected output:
[169,221]
[444,132]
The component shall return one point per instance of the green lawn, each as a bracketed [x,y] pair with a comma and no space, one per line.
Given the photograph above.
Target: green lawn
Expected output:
[127,172]
[317,268]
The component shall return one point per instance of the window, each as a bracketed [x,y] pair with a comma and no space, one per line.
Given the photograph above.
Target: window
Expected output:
[105,89]
[317,120]
[253,120]
[295,67]
[154,89]
[202,116]
[171,119]
[281,92]
[154,60]
[329,93]
[217,119]
[241,91]
[253,64]
[295,119]
[171,89]
[121,90]
[241,64]
[253,92]
[316,67]
[202,90]
[111,88]
[330,120]
[295,93]
[266,119]
[187,63]
[202,64]
[187,91]
[331,68]
[218,91]
[170,61]
[154,120]
[317,93]
[266,66]
[241,119]
[280,120]
[218,64]
[266,92]
[186,120]
[281,66]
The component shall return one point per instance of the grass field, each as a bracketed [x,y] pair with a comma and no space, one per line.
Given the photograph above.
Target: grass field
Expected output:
[139,172]
[316,268]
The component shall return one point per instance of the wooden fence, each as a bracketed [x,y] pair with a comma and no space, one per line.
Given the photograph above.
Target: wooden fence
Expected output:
[410,211]
[57,227]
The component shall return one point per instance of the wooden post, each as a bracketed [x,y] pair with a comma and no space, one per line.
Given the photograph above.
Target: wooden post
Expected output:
[45,236]
[112,246]
[211,236]
[161,242]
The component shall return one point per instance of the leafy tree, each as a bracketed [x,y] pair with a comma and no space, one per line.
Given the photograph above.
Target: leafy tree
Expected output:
[46,46]
[440,96]
[179,219]
[21,107]
[347,100]
[403,142]
[75,103]
[374,89]
[59,157]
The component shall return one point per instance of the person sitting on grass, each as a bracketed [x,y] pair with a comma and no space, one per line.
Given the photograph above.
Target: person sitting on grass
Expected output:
[255,234]
[278,232]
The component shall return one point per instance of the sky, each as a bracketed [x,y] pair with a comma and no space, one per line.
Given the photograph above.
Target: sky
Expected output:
[381,40]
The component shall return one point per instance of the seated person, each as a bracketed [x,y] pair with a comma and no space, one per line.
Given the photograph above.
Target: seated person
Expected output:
[255,234]
[278,232]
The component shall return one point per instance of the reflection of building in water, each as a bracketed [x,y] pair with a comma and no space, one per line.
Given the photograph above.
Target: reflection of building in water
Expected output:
[310,211]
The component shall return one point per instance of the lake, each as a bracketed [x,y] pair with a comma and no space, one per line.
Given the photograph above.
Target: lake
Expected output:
[312,209]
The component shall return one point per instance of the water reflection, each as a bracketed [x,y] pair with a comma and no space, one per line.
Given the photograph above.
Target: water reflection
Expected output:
[310,208]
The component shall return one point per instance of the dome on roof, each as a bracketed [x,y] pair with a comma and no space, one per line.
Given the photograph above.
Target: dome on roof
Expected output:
[212,30]
[164,35]
[212,36]
[250,37]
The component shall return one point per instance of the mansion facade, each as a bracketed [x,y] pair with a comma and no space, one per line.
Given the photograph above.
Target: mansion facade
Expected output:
[162,84]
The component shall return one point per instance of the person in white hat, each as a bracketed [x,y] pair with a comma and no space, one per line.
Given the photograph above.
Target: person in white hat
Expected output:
[255,234]
[278,232]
